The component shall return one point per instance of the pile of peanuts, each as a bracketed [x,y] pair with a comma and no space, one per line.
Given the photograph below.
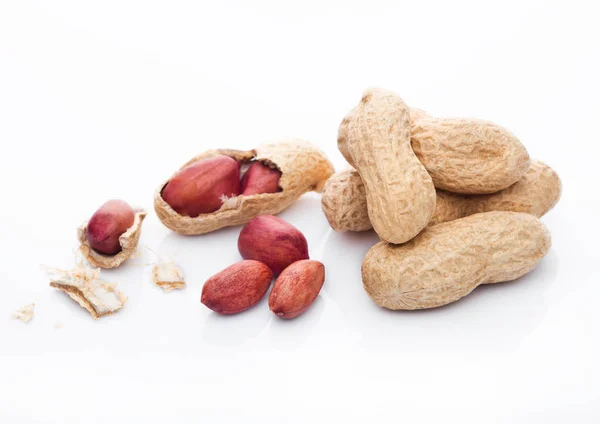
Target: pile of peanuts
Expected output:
[455,202]
[216,189]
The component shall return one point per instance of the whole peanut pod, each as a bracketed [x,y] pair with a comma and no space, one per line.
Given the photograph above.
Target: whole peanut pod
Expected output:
[468,156]
[303,168]
[447,261]
[345,205]
[399,191]
[111,235]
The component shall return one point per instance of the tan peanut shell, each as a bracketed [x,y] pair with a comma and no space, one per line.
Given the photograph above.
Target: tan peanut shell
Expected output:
[303,166]
[415,115]
[447,261]
[128,241]
[469,156]
[345,205]
[399,191]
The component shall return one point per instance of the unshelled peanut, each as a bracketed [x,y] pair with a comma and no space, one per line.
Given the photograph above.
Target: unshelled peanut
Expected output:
[468,156]
[447,261]
[399,191]
[345,205]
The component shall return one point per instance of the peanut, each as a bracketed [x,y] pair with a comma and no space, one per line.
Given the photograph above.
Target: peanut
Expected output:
[200,187]
[447,261]
[415,116]
[260,178]
[303,168]
[345,205]
[399,191]
[107,224]
[236,288]
[272,241]
[296,288]
[468,156]
[111,236]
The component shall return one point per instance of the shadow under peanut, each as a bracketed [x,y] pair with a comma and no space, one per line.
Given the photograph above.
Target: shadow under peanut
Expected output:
[237,329]
[494,317]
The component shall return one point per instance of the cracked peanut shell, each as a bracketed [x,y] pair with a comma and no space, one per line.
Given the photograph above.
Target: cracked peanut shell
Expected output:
[128,241]
[303,168]
[84,286]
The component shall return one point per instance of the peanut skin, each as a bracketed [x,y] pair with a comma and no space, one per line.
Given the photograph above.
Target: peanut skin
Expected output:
[399,191]
[447,261]
[260,178]
[296,288]
[200,187]
[107,224]
[236,288]
[272,241]
[344,200]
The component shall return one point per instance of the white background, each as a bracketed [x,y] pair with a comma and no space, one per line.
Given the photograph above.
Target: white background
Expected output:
[104,100]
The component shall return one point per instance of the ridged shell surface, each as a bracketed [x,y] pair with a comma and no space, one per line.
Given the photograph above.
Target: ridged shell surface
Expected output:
[447,261]
[400,193]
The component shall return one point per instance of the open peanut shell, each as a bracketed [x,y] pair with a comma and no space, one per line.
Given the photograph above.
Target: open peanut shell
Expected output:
[128,241]
[303,168]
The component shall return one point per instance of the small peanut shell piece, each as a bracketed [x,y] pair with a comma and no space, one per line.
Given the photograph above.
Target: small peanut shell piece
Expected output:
[128,241]
[345,205]
[303,168]
[399,191]
[447,261]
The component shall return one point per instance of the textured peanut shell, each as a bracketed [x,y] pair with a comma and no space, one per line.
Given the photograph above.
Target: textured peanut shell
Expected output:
[345,205]
[415,116]
[469,156]
[399,191]
[128,241]
[303,168]
[447,261]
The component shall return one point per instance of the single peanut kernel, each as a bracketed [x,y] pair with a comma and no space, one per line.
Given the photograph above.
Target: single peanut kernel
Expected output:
[260,178]
[272,241]
[200,187]
[107,224]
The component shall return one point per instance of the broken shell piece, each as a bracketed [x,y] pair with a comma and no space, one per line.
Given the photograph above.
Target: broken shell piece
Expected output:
[303,166]
[128,241]
[168,276]
[24,313]
[84,286]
